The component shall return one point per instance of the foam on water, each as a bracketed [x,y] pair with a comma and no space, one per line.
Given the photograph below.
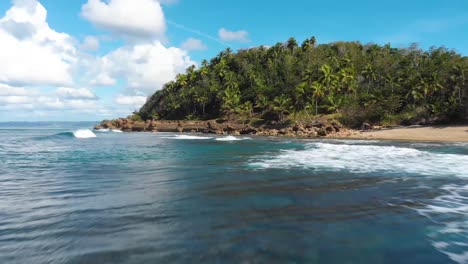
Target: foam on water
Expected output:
[449,213]
[102,130]
[116,131]
[185,137]
[365,159]
[232,138]
[84,133]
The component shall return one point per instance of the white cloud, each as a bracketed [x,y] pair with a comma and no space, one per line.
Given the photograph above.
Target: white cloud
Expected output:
[7,90]
[129,18]
[65,99]
[75,93]
[90,43]
[15,99]
[32,53]
[130,100]
[103,79]
[40,68]
[144,67]
[193,44]
[239,36]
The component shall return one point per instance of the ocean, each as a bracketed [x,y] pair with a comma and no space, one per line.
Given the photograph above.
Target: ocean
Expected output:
[72,195]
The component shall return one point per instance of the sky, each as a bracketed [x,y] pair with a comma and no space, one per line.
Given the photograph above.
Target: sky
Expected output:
[88,60]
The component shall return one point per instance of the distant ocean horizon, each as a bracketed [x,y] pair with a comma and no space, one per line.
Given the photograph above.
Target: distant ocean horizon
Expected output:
[69,194]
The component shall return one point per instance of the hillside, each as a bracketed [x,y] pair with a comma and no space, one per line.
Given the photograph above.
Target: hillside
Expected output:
[355,83]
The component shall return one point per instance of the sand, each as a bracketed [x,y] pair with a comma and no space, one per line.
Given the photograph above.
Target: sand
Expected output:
[418,133]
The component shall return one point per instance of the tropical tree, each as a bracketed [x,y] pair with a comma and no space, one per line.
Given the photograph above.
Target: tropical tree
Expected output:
[281,105]
[318,92]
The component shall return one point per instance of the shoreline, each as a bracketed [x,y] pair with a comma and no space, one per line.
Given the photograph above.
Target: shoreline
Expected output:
[315,130]
[450,133]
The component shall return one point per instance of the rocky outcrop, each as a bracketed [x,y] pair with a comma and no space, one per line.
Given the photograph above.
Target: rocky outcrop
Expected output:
[314,129]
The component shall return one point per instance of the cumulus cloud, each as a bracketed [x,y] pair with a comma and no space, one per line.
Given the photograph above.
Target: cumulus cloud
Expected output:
[7,90]
[90,43]
[129,18]
[41,68]
[64,99]
[130,100]
[144,67]
[103,79]
[75,93]
[32,53]
[238,36]
[193,44]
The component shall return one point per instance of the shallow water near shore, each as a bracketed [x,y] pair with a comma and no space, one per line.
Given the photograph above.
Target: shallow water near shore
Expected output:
[71,195]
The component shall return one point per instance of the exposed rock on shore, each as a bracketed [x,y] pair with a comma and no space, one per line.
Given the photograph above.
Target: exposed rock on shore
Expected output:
[316,128]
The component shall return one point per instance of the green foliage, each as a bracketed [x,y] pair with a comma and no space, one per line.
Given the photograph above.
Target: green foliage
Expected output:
[135,117]
[361,83]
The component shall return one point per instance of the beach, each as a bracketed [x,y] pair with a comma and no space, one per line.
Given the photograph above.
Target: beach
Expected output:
[418,133]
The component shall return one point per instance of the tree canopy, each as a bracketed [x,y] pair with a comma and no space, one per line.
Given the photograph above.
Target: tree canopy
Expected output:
[359,83]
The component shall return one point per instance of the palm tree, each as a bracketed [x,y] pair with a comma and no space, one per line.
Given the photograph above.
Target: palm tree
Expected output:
[262,103]
[318,92]
[281,104]
[328,79]
[231,101]
[369,74]
[181,79]
[334,103]
[458,78]
[230,82]
[301,94]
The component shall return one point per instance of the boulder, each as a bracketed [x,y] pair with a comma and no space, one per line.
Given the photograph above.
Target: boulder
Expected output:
[336,126]
[322,132]
[316,124]
[366,126]
[212,125]
[248,131]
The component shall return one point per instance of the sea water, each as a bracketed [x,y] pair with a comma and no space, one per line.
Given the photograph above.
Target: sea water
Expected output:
[72,195]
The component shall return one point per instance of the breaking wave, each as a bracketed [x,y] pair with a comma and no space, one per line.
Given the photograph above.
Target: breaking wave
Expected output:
[365,159]
[84,133]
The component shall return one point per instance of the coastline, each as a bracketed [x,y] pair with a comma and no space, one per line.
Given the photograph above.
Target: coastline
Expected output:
[317,129]
[450,133]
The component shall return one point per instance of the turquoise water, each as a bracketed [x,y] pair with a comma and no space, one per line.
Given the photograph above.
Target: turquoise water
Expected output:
[67,197]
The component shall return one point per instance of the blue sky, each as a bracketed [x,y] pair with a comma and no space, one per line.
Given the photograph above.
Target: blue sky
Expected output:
[95,59]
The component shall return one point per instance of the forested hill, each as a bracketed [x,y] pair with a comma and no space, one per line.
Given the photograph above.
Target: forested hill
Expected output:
[356,83]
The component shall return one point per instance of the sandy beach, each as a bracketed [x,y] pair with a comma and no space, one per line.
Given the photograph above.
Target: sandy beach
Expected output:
[436,133]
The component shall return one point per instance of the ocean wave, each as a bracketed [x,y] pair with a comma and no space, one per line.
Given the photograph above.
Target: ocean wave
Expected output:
[188,137]
[84,133]
[365,159]
[232,138]
[116,131]
[102,130]
[449,213]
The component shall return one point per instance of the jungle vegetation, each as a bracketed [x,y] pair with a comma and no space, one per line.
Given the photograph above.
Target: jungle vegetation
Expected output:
[356,83]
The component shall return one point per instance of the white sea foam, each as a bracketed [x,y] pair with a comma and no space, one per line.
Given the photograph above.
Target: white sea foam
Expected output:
[102,130]
[366,158]
[185,137]
[232,138]
[84,133]
[449,213]
[116,131]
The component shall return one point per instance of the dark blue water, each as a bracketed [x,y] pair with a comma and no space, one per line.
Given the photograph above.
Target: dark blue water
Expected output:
[166,198]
